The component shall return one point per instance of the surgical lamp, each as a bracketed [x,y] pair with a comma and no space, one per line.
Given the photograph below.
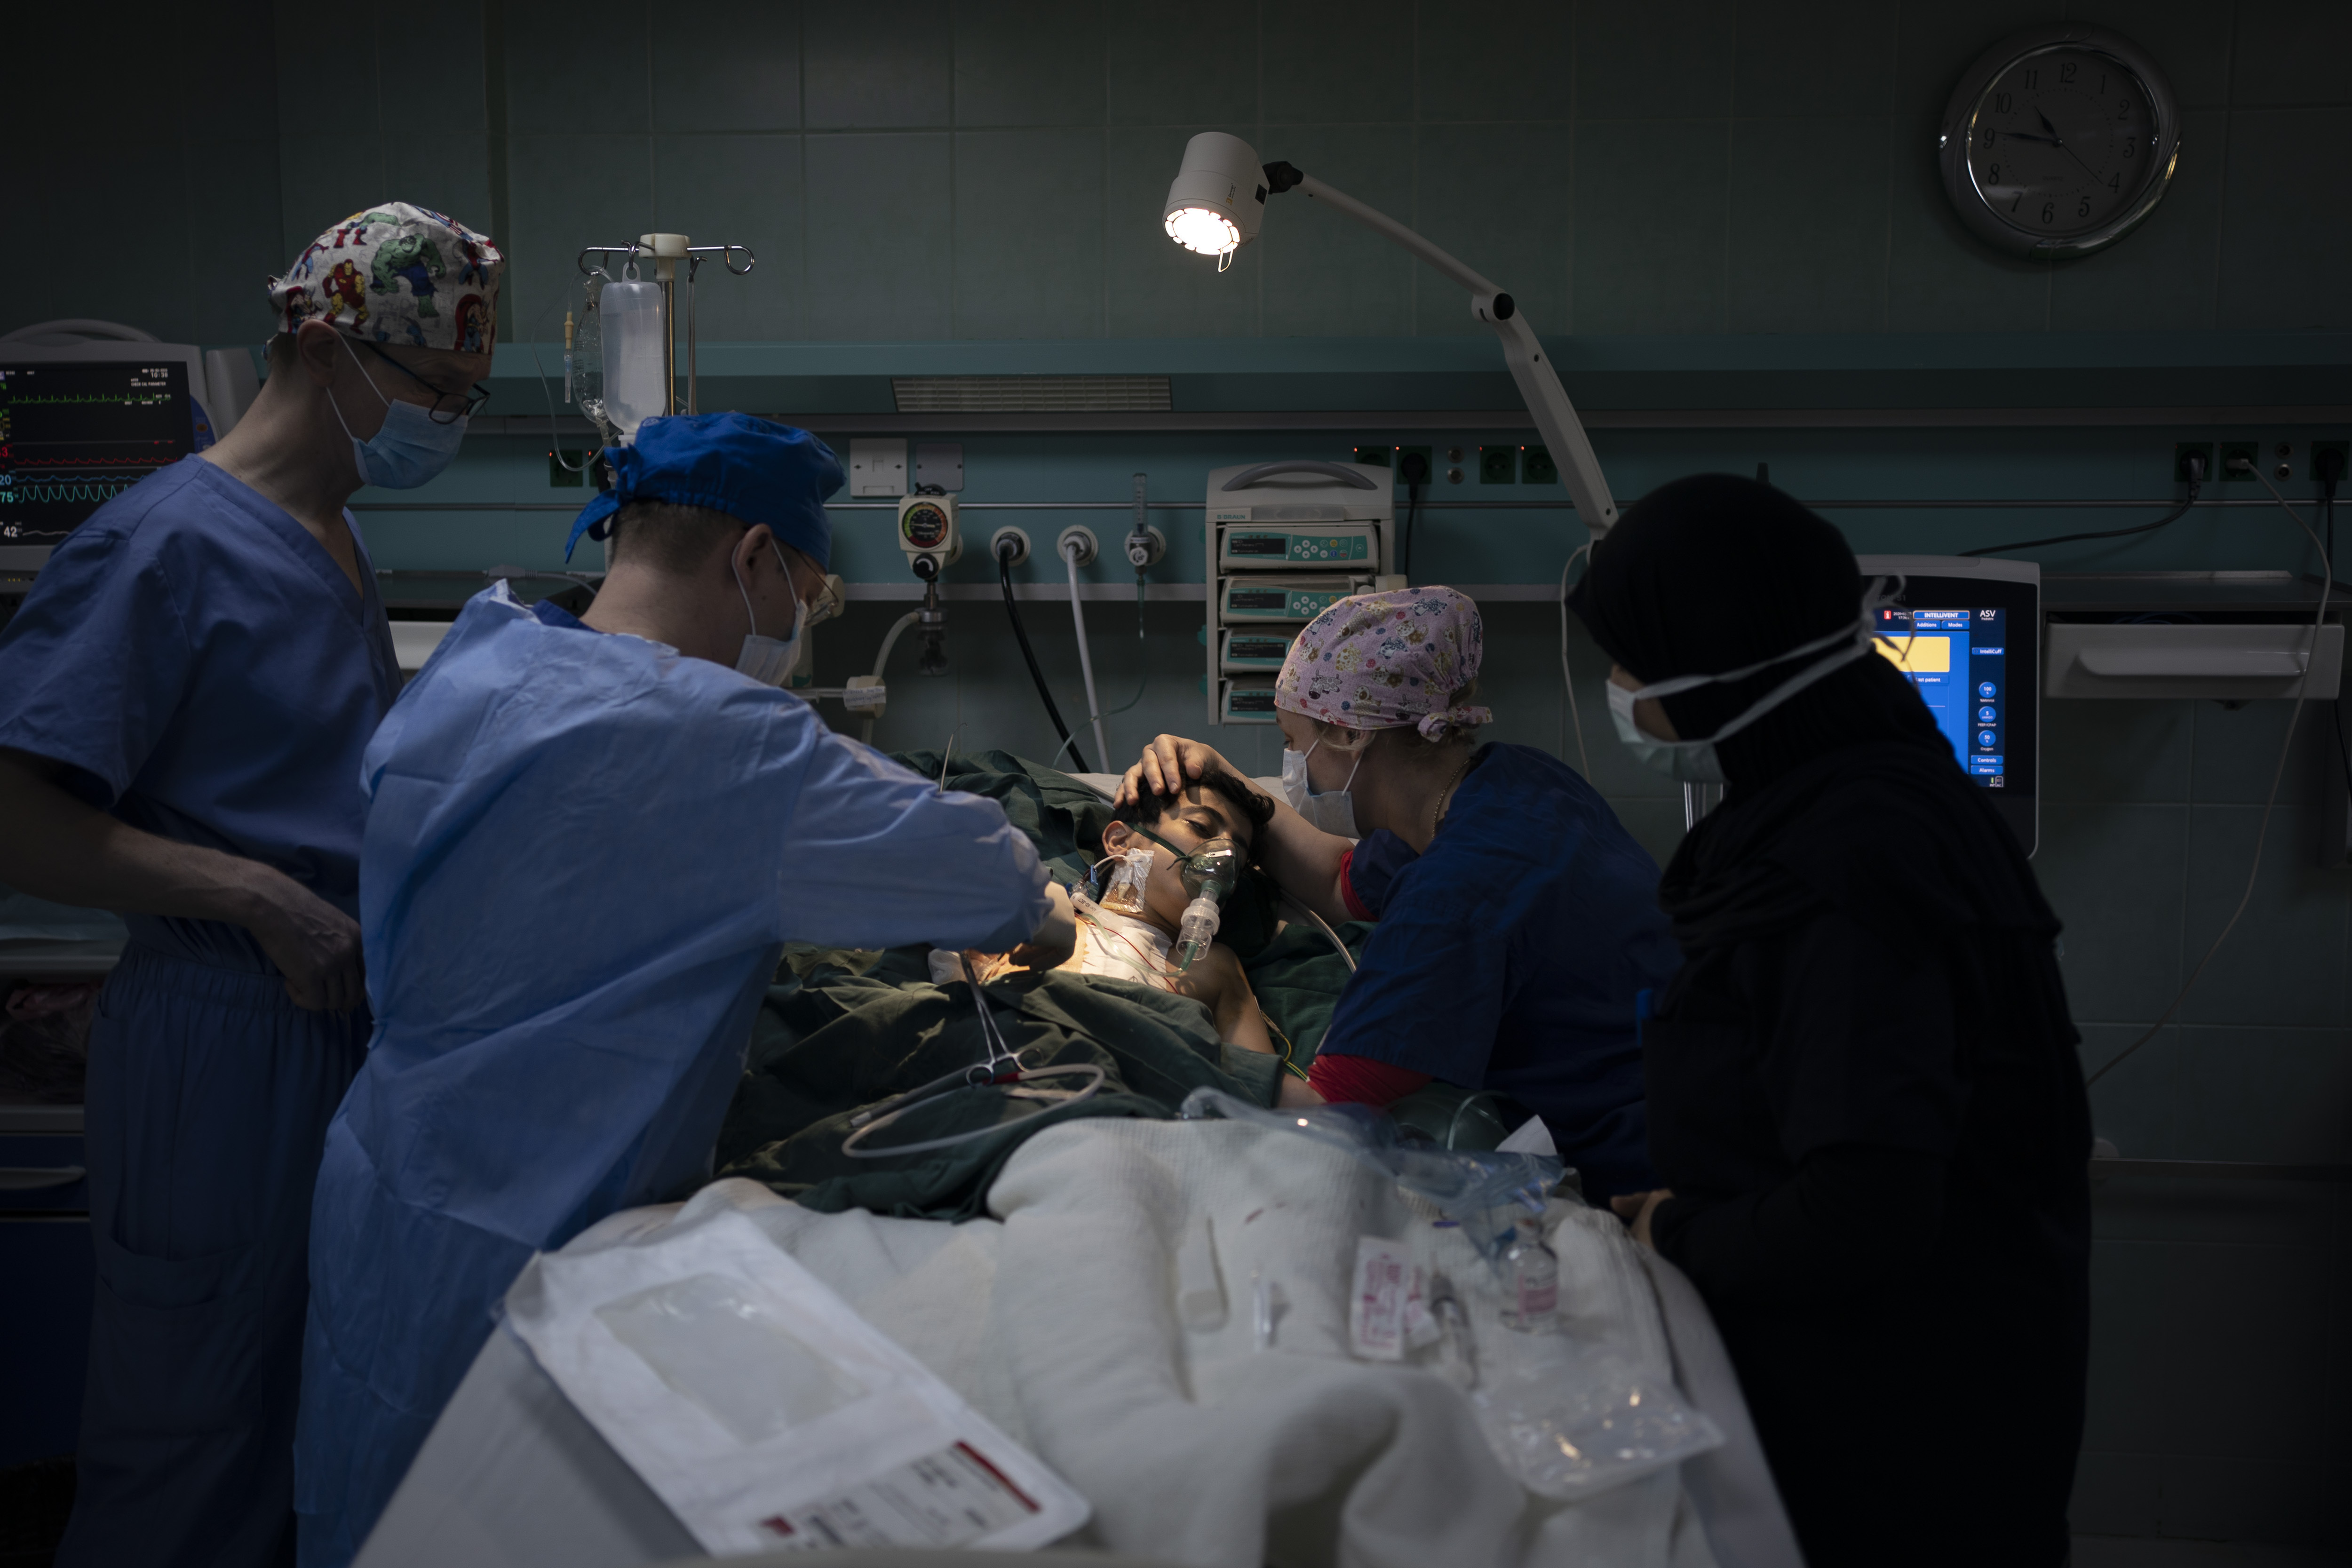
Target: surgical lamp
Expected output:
[1215,204]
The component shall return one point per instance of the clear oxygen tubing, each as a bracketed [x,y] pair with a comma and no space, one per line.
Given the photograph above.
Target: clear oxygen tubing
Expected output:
[2287,745]
[1086,659]
[1325,927]
[889,641]
[1143,656]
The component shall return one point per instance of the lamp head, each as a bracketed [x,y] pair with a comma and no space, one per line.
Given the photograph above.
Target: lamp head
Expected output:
[1217,198]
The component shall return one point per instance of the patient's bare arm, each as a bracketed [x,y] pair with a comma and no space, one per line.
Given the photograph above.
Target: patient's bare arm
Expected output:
[1217,981]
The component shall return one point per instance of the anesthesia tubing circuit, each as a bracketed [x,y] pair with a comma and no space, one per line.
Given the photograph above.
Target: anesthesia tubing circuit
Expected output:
[1002,1069]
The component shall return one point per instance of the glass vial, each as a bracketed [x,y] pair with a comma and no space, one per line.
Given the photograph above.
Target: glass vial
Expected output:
[1531,1282]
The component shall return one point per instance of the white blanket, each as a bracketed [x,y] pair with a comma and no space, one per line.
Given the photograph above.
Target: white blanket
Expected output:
[1058,1321]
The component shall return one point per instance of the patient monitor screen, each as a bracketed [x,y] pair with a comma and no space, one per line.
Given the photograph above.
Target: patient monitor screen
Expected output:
[1958,659]
[73,434]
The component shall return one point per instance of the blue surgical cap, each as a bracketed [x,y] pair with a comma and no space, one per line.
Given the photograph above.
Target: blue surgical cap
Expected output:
[750,468]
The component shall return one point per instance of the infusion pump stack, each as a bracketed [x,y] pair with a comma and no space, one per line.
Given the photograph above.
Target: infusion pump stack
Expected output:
[1286,542]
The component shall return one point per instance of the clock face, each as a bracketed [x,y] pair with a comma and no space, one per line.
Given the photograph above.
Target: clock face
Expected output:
[2062,143]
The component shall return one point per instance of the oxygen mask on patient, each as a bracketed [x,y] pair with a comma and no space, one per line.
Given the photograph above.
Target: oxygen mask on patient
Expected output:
[1211,873]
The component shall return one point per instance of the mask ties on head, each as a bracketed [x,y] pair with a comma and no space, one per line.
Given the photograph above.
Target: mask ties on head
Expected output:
[1696,762]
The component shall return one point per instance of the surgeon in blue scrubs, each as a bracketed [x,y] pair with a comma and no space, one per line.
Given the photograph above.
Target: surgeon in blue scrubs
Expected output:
[587,840]
[1517,920]
[185,699]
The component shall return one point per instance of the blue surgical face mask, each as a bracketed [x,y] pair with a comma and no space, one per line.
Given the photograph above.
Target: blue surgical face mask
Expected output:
[765,660]
[1696,762]
[410,449]
[1331,810]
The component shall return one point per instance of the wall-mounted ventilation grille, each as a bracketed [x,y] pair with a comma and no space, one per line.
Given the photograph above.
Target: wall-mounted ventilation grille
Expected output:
[1031,393]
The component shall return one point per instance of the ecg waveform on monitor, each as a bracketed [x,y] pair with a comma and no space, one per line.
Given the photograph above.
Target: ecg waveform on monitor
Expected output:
[75,434]
[89,490]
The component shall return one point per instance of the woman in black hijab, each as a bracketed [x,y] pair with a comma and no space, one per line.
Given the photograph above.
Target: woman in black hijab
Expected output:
[1863,1095]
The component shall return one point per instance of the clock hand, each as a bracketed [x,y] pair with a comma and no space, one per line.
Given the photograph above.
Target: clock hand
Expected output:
[2029,136]
[2060,143]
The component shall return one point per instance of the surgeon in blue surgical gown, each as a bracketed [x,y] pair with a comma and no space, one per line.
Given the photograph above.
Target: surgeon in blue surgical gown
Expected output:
[585,843]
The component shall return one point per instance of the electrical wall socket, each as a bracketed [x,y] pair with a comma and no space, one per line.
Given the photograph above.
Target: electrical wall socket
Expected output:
[877,467]
[2343,450]
[2182,451]
[939,463]
[1498,465]
[2241,461]
[1536,468]
[1379,455]
[563,478]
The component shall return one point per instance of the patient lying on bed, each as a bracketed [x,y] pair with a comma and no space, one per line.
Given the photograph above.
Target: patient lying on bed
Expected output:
[1136,947]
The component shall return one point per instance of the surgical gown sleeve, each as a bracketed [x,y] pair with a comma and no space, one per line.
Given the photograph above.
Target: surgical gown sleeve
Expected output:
[876,856]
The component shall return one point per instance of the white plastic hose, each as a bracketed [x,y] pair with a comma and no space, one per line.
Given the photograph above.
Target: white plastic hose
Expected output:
[1086,659]
[889,641]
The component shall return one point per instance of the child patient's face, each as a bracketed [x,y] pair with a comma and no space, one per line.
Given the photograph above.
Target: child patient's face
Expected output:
[1196,816]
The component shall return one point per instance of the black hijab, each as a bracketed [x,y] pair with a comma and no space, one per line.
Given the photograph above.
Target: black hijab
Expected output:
[1846,795]
[1716,573]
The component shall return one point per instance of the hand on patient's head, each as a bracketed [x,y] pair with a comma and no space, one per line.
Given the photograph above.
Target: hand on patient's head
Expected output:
[1220,806]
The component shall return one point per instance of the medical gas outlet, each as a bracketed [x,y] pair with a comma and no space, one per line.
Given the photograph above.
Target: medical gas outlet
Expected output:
[927,528]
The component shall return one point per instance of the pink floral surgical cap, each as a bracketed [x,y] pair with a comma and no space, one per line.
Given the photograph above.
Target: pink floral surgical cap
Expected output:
[1381,661]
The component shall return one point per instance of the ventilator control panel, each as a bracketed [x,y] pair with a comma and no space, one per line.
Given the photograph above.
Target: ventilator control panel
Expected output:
[1966,631]
[1957,661]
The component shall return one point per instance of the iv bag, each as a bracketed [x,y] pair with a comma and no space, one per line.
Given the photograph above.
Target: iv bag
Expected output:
[635,386]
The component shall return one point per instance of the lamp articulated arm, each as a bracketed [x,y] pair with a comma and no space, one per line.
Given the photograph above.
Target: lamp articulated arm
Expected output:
[1538,384]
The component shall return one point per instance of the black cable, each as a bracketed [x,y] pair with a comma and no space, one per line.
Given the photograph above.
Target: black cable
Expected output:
[1004,575]
[2173,516]
[1414,471]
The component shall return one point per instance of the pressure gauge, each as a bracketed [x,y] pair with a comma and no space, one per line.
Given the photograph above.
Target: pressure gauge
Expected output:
[2059,140]
[927,527]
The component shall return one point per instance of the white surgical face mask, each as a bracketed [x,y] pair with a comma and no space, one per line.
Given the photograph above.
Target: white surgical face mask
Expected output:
[1696,762]
[1333,811]
[410,450]
[765,660]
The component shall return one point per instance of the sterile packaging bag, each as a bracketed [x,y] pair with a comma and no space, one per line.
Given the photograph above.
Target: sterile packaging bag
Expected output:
[1570,1418]
[765,1411]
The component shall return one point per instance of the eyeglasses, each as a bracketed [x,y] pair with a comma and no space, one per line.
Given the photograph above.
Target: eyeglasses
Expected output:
[449,407]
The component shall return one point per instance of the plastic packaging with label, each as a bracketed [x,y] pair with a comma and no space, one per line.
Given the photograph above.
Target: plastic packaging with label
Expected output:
[764,1411]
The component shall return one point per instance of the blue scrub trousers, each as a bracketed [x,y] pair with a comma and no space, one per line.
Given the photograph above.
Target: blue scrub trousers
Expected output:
[208,1102]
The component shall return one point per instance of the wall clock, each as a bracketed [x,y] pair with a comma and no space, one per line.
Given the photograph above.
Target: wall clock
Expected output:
[2059,142]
